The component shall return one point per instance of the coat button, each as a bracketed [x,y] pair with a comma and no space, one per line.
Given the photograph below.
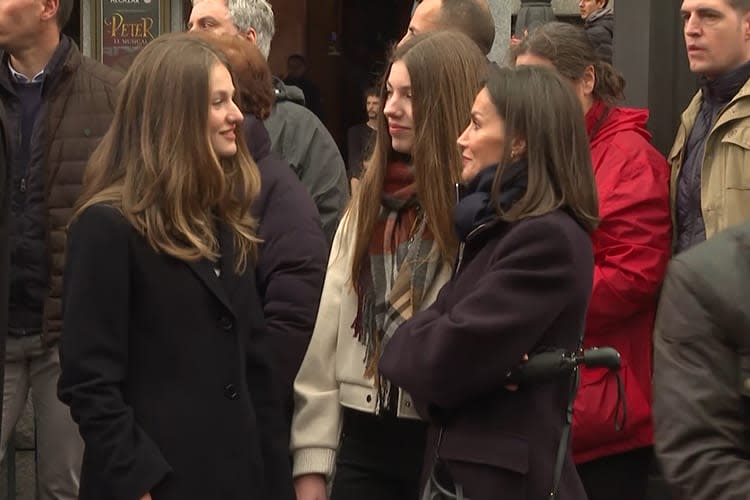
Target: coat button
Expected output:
[226,323]
[369,398]
[230,391]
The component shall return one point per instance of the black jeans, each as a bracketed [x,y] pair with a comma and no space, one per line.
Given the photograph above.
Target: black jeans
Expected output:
[380,458]
[617,477]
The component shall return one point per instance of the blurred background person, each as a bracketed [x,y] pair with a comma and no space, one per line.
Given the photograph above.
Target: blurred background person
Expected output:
[297,135]
[296,76]
[470,17]
[360,139]
[599,23]
[632,244]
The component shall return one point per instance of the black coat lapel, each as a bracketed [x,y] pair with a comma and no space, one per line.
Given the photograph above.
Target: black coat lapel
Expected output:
[229,277]
[203,269]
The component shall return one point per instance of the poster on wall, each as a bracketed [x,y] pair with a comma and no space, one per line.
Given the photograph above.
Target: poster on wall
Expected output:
[127,26]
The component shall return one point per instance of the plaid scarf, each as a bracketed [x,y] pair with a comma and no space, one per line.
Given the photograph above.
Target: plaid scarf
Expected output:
[403,262]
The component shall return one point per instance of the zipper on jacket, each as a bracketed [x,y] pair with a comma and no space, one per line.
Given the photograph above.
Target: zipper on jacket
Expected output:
[461,244]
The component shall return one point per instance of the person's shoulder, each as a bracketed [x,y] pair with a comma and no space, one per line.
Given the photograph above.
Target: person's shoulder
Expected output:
[278,178]
[298,113]
[303,125]
[101,216]
[728,249]
[556,229]
[97,71]
[557,221]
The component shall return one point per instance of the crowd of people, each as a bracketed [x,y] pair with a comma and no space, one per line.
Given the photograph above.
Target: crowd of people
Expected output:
[206,303]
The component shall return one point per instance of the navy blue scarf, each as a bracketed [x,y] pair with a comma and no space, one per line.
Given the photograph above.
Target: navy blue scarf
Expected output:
[477,207]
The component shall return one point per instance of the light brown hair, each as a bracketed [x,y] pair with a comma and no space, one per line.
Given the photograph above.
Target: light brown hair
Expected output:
[157,166]
[255,89]
[569,50]
[538,106]
[446,71]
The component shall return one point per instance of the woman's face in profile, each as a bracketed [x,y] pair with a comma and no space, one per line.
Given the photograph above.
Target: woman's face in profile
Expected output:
[398,108]
[224,116]
[483,142]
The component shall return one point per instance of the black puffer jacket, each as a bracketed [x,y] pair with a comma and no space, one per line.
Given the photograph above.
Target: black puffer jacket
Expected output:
[717,93]
[4,259]
[600,28]
[78,100]
[292,261]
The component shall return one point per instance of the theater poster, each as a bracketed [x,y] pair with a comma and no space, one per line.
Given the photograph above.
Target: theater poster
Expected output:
[126,27]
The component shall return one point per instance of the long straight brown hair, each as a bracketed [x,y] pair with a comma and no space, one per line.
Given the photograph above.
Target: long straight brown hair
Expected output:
[446,71]
[538,106]
[157,166]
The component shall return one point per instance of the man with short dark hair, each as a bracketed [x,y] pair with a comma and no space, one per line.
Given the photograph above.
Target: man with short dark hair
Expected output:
[599,22]
[710,183]
[57,105]
[471,17]
[361,137]
[702,347]
[296,75]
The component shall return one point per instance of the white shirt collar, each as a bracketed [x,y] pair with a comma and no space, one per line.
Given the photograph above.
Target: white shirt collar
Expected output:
[21,78]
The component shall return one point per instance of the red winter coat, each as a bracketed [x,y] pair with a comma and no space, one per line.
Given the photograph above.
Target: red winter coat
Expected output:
[631,251]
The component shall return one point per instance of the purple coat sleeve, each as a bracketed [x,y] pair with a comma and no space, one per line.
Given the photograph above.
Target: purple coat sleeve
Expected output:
[496,310]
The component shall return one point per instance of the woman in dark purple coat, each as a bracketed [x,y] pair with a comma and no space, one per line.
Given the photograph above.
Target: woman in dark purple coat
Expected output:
[521,285]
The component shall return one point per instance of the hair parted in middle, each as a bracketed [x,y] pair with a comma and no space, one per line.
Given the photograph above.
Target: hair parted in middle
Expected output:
[538,106]
[156,164]
[446,70]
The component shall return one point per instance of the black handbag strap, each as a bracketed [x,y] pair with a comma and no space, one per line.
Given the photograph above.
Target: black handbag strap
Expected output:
[565,437]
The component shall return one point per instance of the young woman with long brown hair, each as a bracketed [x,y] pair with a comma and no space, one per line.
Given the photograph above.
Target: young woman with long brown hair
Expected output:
[392,253]
[291,264]
[165,363]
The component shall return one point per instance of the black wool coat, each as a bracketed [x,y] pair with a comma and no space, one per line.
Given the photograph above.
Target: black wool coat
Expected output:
[167,371]
[519,288]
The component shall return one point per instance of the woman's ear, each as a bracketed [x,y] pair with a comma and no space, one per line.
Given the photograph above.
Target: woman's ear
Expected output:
[588,80]
[517,147]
